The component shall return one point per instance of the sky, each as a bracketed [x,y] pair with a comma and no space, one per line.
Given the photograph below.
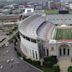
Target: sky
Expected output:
[25,0]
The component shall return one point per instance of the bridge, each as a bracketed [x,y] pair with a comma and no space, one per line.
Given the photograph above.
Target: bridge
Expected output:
[8,38]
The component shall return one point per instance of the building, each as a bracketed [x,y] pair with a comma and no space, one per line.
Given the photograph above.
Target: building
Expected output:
[43,36]
[28,10]
[38,7]
[6,11]
[9,20]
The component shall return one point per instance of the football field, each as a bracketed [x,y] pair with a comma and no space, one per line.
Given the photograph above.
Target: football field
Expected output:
[63,34]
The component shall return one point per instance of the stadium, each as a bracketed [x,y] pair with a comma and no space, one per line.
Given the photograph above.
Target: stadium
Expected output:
[42,36]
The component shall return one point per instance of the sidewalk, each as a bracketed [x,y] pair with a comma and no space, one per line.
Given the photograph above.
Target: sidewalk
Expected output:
[64,63]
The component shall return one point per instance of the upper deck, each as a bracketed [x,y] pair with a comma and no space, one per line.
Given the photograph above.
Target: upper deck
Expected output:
[29,26]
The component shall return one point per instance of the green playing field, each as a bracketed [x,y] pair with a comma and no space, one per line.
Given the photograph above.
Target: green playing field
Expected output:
[63,34]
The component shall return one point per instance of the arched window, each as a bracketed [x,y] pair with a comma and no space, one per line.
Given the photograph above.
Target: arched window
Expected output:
[33,53]
[68,51]
[36,55]
[64,51]
[52,48]
[47,52]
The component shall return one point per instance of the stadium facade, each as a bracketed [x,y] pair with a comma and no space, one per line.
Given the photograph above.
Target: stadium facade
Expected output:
[40,36]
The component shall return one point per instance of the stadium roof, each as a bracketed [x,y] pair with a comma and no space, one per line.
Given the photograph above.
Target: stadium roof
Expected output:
[60,18]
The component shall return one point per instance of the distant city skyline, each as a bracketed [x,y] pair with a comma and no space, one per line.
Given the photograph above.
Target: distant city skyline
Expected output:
[39,1]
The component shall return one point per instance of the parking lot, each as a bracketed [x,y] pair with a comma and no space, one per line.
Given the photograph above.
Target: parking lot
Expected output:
[10,62]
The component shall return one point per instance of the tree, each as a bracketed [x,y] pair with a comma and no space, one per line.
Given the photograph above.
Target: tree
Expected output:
[56,69]
[50,61]
[70,69]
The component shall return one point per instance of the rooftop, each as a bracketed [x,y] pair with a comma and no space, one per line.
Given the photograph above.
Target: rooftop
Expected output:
[60,18]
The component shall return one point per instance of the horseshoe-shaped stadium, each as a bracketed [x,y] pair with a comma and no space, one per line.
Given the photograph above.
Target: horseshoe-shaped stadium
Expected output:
[42,36]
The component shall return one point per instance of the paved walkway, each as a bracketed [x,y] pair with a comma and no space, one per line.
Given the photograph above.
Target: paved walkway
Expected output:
[64,63]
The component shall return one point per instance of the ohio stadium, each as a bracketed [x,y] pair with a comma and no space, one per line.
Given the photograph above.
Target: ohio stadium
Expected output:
[43,36]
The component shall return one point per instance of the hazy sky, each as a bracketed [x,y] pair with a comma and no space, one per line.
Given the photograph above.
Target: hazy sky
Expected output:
[25,0]
[35,0]
[32,0]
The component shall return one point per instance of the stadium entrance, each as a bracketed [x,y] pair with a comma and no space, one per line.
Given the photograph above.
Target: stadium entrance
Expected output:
[64,50]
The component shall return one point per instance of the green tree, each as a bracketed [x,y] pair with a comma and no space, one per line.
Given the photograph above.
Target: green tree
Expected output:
[56,69]
[70,69]
[50,61]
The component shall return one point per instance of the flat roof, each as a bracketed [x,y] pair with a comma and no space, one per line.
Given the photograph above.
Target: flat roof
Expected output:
[8,17]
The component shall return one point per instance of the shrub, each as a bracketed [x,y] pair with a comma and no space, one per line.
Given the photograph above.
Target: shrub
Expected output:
[50,61]
[56,69]
[70,69]
[35,63]
[18,54]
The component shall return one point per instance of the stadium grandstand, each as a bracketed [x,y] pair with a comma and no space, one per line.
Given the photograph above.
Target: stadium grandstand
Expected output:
[43,36]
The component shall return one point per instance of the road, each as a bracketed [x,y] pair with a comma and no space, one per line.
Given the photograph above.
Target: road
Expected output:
[10,62]
[8,38]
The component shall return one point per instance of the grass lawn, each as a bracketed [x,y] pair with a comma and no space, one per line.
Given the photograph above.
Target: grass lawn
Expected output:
[48,70]
[51,11]
[53,69]
[63,34]
[54,11]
